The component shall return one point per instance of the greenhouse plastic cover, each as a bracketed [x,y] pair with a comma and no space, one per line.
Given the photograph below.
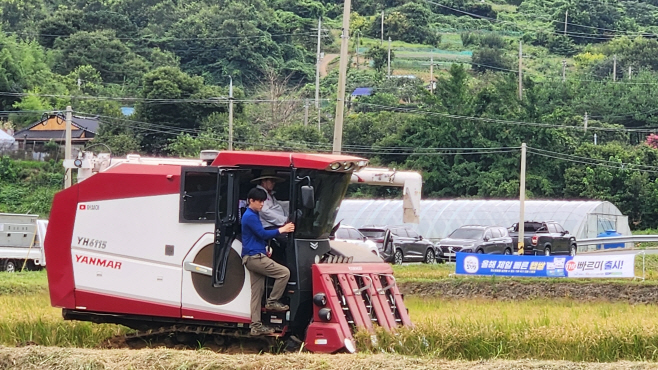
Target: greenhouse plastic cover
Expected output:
[438,218]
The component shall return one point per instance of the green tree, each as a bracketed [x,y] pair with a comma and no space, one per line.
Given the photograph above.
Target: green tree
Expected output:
[174,103]
[379,57]
[103,51]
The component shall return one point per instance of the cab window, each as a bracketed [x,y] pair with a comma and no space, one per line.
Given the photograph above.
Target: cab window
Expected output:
[199,195]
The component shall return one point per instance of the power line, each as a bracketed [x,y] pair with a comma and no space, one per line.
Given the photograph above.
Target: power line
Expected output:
[214,100]
[494,120]
[570,33]
[166,39]
[595,160]
[583,160]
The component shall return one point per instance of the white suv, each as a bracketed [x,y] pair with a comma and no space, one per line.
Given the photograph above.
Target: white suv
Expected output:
[352,235]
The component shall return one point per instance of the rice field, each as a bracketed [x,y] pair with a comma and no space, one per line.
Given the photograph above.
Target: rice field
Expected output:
[538,329]
[448,329]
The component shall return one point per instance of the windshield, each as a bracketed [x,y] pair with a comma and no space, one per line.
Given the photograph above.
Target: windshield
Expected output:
[329,188]
[466,234]
[373,233]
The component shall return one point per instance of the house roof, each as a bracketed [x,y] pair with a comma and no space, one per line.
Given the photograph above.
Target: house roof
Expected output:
[47,135]
[79,125]
[362,91]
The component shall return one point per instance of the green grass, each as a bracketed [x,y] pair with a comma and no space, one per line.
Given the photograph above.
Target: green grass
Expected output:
[22,283]
[539,329]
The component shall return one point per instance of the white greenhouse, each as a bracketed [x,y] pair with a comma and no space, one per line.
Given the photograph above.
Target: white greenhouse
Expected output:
[438,218]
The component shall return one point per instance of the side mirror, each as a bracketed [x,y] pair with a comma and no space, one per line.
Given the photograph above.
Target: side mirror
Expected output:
[308,197]
[486,238]
[420,237]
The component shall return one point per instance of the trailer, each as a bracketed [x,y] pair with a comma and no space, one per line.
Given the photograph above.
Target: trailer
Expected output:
[154,244]
[21,237]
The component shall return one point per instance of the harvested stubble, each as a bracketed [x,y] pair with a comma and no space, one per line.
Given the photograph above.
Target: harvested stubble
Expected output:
[39,358]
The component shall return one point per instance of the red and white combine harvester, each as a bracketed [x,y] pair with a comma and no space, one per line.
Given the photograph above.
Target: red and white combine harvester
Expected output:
[153,244]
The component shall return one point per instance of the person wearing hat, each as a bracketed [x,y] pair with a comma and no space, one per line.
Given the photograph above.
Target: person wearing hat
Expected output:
[274,213]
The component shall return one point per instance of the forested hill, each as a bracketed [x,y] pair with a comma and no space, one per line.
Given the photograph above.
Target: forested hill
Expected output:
[587,110]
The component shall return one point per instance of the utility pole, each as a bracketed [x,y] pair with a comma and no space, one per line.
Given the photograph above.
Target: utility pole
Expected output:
[357,49]
[595,139]
[305,112]
[585,121]
[566,15]
[67,147]
[520,72]
[381,41]
[432,73]
[230,114]
[389,57]
[564,70]
[342,76]
[521,242]
[614,68]
[630,72]
[317,72]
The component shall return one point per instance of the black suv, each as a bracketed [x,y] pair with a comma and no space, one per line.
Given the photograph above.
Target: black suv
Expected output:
[545,238]
[399,244]
[475,239]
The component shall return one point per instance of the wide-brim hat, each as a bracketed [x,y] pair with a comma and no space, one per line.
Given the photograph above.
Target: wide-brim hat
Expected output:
[268,174]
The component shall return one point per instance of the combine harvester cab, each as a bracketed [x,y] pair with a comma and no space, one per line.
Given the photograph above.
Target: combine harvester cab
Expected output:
[154,244]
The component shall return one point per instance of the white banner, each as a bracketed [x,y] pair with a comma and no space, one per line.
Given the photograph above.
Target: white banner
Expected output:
[601,266]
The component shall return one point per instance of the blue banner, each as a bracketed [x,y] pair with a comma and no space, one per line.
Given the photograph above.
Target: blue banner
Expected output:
[603,266]
[502,265]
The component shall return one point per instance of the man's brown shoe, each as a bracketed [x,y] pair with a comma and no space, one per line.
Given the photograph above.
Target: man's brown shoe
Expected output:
[276,306]
[260,329]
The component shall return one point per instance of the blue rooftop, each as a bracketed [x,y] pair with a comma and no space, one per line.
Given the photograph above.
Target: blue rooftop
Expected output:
[362,91]
[127,111]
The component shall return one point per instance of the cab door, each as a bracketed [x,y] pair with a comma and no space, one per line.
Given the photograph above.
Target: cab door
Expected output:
[226,222]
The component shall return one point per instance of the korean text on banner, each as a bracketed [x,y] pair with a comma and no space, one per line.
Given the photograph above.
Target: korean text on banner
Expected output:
[603,266]
[608,266]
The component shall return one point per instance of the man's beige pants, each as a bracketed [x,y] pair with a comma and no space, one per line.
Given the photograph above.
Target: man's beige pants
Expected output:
[261,266]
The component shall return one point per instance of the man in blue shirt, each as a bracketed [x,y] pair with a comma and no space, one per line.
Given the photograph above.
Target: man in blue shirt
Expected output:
[257,260]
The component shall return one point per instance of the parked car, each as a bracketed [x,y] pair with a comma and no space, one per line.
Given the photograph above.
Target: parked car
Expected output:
[475,239]
[545,238]
[399,244]
[352,235]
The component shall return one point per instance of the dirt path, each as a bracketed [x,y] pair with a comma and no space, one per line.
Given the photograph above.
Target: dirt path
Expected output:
[39,358]
[325,62]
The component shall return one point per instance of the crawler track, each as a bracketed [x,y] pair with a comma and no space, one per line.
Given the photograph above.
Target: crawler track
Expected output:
[195,337]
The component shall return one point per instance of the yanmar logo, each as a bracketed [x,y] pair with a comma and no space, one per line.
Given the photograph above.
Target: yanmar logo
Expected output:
[98,262]
[89,207]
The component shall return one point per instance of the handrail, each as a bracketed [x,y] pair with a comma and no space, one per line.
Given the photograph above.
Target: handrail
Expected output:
[618,239]
[365,287]
[383,289]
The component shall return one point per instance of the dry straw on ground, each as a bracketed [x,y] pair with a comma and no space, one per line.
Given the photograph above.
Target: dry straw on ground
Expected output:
[42,358]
